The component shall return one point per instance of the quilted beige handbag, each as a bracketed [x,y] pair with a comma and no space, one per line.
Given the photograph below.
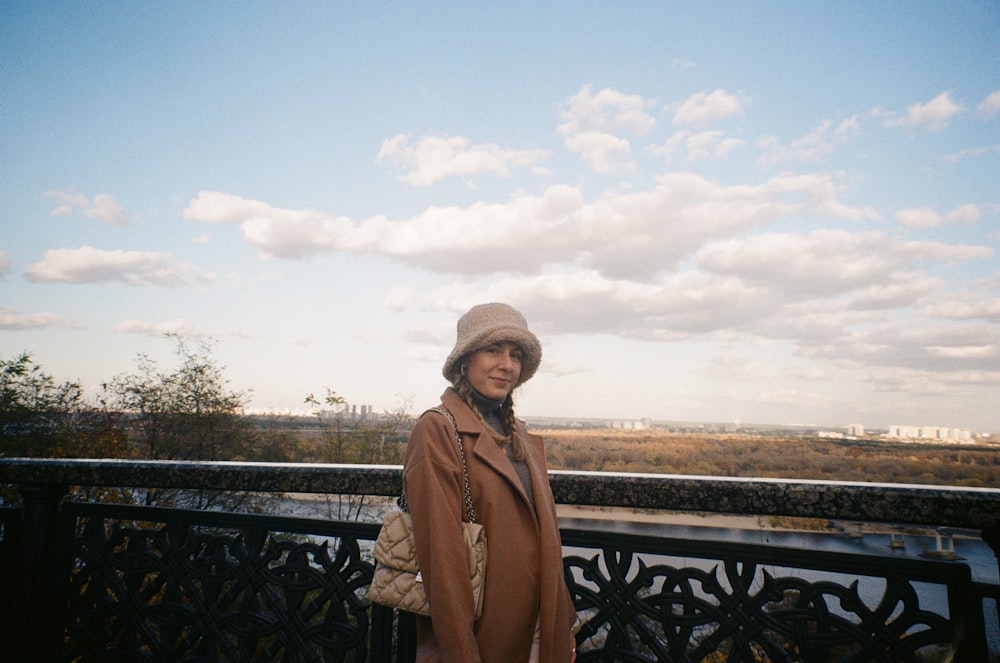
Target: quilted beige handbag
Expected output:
[396,582]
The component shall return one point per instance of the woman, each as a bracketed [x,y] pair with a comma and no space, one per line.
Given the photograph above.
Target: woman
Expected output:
[527,610]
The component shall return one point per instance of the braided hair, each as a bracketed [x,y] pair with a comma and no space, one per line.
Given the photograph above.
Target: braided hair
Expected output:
[507,420]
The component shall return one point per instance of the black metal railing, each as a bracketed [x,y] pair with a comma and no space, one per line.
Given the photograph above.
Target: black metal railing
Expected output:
[87,580]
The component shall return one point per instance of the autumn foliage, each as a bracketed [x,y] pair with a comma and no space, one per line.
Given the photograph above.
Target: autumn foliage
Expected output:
[734,455]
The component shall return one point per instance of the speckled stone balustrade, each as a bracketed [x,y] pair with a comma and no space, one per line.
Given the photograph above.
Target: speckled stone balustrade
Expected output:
[971,508]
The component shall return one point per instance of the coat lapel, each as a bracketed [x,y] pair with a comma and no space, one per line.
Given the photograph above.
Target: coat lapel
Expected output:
[491,454]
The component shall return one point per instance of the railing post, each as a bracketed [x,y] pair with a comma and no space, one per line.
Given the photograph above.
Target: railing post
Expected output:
[380,644]
[38,583]
[406,638]
[991,535]
[392,626]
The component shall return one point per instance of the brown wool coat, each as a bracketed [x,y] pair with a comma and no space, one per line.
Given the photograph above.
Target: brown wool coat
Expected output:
[524,571]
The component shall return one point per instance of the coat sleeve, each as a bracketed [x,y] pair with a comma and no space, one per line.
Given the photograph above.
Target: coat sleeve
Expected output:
[565,616]
[433,484]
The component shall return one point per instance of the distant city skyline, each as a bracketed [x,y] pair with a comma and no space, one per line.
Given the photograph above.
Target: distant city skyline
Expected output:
[748,211]
[914,431]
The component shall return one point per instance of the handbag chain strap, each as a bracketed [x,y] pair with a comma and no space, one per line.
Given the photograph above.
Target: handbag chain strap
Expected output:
[469,509]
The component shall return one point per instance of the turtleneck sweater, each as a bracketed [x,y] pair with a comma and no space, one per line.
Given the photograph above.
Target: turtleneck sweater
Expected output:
[490,409]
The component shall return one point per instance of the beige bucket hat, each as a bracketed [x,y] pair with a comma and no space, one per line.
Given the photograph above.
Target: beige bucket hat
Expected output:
[484,324]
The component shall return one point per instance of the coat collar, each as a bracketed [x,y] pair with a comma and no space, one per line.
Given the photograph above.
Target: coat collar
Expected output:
[466,419]
[492,455]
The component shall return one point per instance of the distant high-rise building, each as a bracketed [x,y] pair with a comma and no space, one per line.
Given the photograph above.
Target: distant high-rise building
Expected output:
[930,433]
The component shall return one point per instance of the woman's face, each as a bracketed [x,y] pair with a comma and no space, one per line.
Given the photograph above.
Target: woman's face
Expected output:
[494,370]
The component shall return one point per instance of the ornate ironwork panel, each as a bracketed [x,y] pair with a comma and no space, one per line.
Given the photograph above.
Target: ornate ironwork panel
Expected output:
[9,538]
[651,599]
[101,582]
[155,586]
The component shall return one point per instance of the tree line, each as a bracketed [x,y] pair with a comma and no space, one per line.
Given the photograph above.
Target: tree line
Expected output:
[189,412]
[184,412]
[749,456]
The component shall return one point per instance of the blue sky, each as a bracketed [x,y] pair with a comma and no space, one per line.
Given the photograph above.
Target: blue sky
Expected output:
[758,211]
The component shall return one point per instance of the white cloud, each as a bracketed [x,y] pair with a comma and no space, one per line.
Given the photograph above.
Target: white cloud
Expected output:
[179,327]
[683,63]
[804,264]
[622,233]
[990,106]
[687,258]
[275,231]
[435,158]
[812,147]
[727,145]
[967,213]
[972,152]
[608,110]
[400,298]
[710,143]
[828,263]
[700,145]
[705,107]
[966,306]
[830,293]
[584,301]
[934,115]
[919,217]
[217,207]
[925,217]
[987,351]
[14,321]
[592,124]
[667,149]
[104,207]
[644,233]
[69,201]
[445,238]
[89,265]
[899,290]
[918,344]
[601,150]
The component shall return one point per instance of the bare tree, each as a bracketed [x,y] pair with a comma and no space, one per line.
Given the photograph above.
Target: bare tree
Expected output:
[357,438]
[187,413]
